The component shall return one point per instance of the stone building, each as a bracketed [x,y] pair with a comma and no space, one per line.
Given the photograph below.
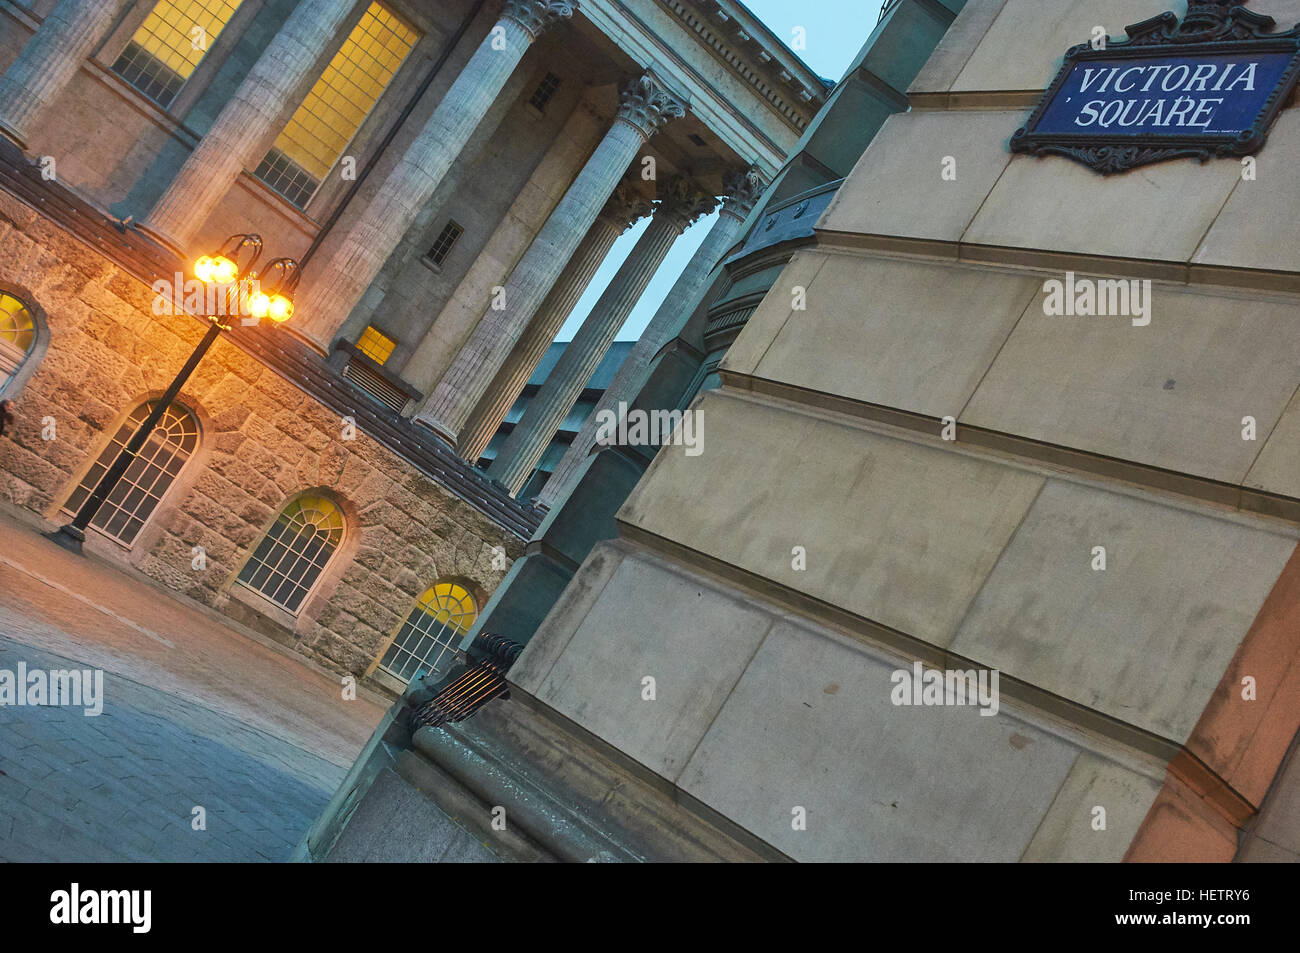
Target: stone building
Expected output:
[917,465]
[449,176]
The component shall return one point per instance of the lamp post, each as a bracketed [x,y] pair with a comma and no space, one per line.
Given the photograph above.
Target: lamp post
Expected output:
[223,272]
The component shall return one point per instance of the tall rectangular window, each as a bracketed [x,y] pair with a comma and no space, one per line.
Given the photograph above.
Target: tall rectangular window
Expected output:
[170,43]
[333,111]
[545,90]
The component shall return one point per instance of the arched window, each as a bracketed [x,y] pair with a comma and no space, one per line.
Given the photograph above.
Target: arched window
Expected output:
[290,557]
[17,335]
[429,636]
[147,479]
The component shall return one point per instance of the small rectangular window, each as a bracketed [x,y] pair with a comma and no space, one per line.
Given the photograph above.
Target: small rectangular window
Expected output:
[545,90]
[333,111]
[446,241]
[375,344]
[170,43]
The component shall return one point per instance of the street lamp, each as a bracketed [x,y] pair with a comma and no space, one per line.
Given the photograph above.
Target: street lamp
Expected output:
[232,263]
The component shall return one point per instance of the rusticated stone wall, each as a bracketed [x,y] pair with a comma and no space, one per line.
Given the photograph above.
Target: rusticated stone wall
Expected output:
[102,351]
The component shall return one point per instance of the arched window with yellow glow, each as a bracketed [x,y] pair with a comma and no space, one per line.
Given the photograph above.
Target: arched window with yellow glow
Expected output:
[17,335]
[148,478]
[428,639]
[294,551]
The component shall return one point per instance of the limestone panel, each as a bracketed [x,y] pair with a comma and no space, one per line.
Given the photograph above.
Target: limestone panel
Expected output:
[898,532]
[776,308]
[1257,228]
[920,340]
[1026,44]
[651,622]
[812,725]
[1068,832]
[1172,394]
[902,189]
[1158,213]
[1147,639]
[1278,467]
[957,45]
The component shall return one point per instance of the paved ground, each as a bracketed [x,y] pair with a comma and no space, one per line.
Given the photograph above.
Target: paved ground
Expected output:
[195,715]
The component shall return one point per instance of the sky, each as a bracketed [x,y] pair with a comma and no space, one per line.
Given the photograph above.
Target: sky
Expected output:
[835,31]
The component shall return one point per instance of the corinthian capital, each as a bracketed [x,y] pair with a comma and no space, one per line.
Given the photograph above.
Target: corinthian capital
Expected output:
[647,104]
[743,190]
[626,207]
[682,202]
[536,15]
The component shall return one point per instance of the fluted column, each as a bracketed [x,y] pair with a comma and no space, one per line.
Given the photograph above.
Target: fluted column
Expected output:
[339,281]
[49,61]
[646,105]
[681,205]
[623,209]
[743,191]
[246,125]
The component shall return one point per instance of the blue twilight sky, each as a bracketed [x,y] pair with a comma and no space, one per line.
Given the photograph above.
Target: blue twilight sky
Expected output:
[836,30]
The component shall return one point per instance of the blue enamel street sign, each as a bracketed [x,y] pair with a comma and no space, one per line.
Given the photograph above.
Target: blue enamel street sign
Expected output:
[1209,86]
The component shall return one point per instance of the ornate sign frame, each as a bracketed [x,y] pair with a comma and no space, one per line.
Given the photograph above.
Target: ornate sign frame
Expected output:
[1211,26]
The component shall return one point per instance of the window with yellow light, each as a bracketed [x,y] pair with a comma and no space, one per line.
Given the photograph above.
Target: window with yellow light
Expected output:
[321,128]
[170,43]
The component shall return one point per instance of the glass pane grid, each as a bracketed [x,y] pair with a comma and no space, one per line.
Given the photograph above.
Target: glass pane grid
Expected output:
[168,46]
[432,632]
[375,344]
[445,242]
[333,111]
[294,551]
[16,323]
[148,478]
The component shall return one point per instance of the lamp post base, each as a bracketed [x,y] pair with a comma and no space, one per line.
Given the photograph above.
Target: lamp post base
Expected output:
[69,537]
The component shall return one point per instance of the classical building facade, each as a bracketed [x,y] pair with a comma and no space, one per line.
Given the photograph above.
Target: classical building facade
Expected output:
[916,464]
[449,177]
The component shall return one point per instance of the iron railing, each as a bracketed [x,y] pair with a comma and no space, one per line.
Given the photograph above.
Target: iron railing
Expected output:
[491,657]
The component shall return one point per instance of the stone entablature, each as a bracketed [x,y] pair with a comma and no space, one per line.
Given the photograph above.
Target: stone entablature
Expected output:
[263,441]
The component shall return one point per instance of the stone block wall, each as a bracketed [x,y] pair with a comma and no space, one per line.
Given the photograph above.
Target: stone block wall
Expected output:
[262,442]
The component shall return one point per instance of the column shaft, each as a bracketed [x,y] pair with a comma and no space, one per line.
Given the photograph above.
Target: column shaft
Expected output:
[528,441]
[50,59]
[340,281]
[646,106]
[668,321]
[559,304]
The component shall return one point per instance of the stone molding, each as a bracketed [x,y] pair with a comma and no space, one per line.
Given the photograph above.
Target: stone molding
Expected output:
[625,207]
[683,203]
[743,191]
[536,16]
[646,104]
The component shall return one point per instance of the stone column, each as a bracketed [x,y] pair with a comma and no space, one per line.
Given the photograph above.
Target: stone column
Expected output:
[624,209]
[646,105]
[743,191]
[246,125]
[339,281]
[682,204]
[49,61]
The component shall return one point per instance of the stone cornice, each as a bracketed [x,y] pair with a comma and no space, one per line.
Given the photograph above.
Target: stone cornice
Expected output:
[753,53]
